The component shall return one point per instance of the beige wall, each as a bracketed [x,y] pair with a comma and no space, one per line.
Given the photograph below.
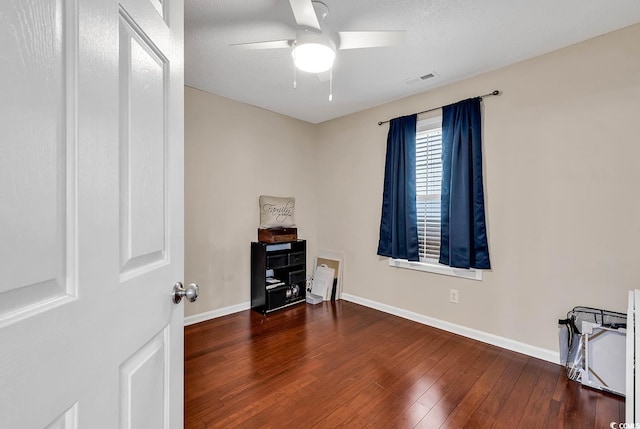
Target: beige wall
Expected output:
[561,149]
[233,154]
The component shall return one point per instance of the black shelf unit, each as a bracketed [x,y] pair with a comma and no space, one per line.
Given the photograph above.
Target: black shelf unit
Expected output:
[288,260]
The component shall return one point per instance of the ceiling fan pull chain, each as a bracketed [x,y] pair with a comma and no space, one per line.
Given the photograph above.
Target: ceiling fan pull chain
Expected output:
[330,84]
[295,85]
[293,53]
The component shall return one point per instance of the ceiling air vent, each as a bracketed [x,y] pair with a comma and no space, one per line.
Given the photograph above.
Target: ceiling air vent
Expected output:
[422,78]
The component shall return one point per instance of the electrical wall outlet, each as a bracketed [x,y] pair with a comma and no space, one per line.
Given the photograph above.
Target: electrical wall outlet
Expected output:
[453,296]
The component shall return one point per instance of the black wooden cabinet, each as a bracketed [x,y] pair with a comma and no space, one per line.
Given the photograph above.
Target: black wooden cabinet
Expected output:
[278,274]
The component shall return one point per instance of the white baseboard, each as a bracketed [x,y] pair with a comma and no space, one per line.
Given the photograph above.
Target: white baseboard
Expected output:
[197,318]
[505,343]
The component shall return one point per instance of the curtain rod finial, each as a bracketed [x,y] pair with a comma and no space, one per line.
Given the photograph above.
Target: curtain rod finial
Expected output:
[380,122]
[496,92]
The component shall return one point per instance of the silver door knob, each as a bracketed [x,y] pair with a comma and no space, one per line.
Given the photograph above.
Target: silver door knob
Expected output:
[179,292]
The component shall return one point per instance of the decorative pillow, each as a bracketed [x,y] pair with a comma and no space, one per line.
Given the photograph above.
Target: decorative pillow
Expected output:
[277,212]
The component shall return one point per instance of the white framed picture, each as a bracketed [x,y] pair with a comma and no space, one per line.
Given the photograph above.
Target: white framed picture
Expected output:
[335,260]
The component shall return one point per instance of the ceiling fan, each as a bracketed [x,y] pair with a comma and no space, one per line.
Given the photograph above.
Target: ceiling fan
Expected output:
[314,48]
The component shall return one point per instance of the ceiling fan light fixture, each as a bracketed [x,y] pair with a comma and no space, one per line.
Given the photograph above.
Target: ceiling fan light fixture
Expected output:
[313,57]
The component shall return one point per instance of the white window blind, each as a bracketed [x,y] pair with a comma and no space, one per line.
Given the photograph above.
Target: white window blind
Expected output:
[428,183]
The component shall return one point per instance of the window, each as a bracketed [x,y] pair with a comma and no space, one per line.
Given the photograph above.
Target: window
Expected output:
[428,184]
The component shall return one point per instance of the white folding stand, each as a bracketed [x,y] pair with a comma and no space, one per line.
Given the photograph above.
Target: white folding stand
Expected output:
[604,357]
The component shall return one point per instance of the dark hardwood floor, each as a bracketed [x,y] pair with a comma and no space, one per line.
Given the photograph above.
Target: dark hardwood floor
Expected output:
[344,365]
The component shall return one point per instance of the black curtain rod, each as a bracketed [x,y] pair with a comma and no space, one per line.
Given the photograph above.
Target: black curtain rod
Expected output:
[496,92]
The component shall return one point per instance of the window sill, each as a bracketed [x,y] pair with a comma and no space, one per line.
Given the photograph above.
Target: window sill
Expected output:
[434,267]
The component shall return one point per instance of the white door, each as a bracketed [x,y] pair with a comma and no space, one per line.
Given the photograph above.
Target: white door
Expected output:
[632,381]
[91,213]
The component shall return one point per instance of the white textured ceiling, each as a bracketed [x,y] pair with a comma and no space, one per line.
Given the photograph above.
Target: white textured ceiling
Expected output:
[455,38]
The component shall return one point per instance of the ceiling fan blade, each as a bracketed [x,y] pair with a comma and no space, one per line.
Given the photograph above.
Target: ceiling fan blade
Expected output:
[272,44]
[305,14]
[370,39]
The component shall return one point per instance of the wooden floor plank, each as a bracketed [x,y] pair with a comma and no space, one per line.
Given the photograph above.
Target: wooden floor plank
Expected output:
[514,407]
[478,393]
[344,365]
[494,403]
[607,411]
[537,408]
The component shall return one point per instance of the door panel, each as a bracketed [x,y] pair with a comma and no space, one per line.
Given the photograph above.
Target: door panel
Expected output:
[142,151]
[143,384]
[33,164]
